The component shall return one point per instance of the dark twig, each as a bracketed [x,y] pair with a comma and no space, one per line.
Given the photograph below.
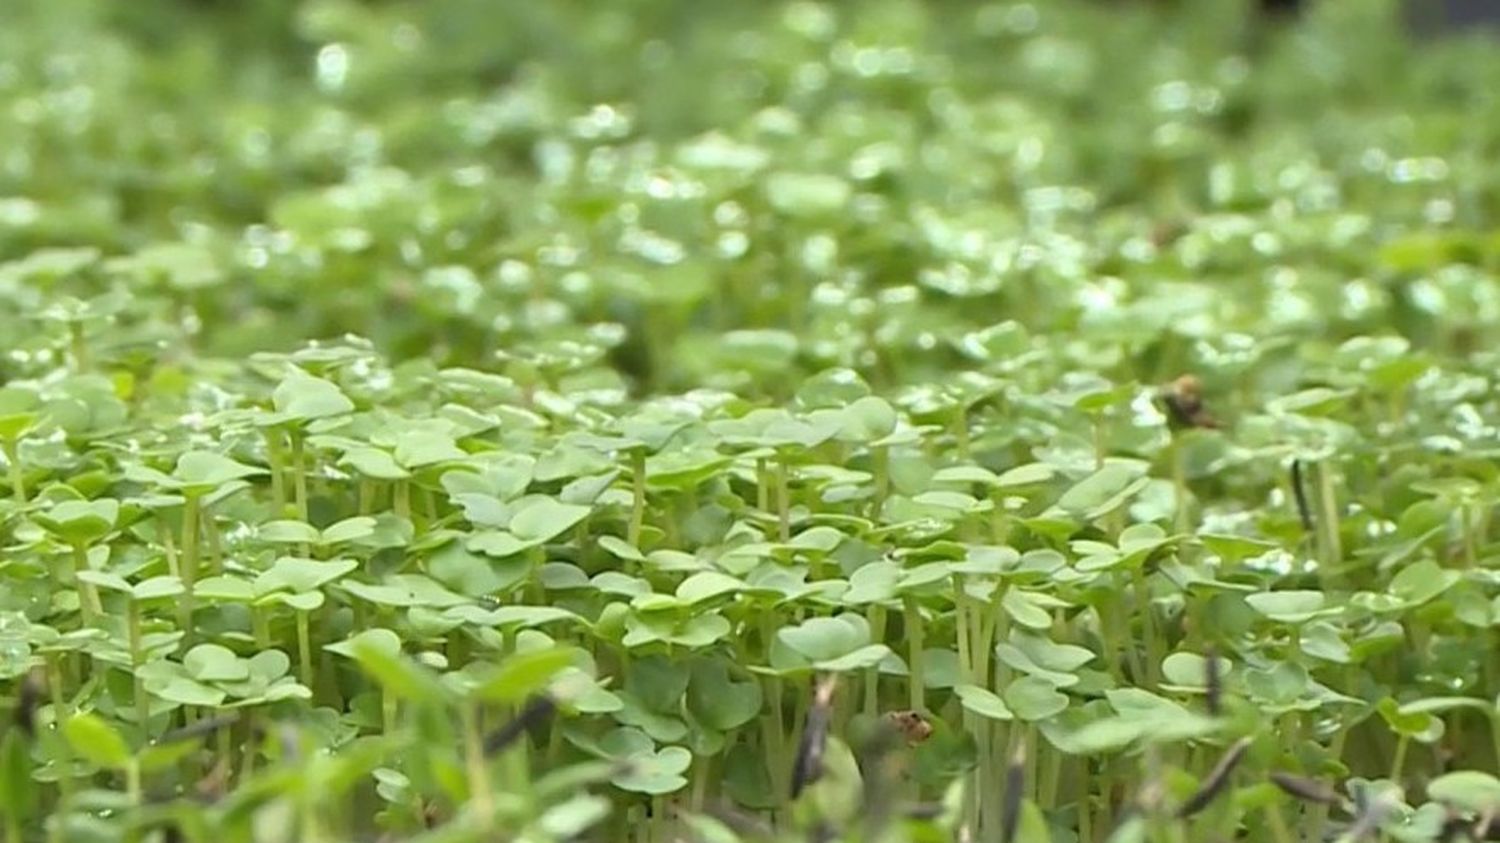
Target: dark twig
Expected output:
[1299,494]
[28,697]
[1218,779]
[199,728]
[1371,813]
[808,765]
[1307,790]
[1010,809]
[1213,684]
[536,712]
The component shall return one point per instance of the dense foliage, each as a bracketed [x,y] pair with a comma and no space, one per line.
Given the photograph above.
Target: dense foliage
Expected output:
[648,421]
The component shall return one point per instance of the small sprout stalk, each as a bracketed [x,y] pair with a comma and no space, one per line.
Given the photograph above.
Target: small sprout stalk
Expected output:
[1333,551]
[78,346]
[188,565]
[137,658]
[1015,793]
[880,459]
[1217,780]
[299,474]
[638,495]
[88,594]
[480,789]
[304,650]
[915,637]
[807,767]
[14,468]
[783,499]
[276,456]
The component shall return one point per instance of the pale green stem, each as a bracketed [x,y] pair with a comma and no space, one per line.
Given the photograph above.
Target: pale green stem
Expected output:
[915,636]
[783,499]
[138,658]
[88,594]
[188,565]
[13,466]
[78,343]
[638,496]
[480,789]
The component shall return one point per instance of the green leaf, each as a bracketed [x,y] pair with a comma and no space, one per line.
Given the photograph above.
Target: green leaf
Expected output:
[654,772]
[545,519]
[568,820]
[374,463]
[382,639]
[396,673]
[983,702]
[819,639]
[806,194]
[205,470]
[213,663]
[1104,491]
[296,574]
[302,397]
[522,674]
[1190,670]
[1032,698]
[185,691]
[18,792]
[81,522]
[718,701]
[864,657]
[707,585]
[97,741]
[1292,607]
[1422,581]
[867,420]
[1467,790]
[420,448]
[287,532]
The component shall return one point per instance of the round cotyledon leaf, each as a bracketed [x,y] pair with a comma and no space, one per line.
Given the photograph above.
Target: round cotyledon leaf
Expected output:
[545,519]
[718,701]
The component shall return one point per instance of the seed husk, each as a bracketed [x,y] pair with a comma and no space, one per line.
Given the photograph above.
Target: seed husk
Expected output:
[807,767]
[1217,781]
[531,716]
[1010,809]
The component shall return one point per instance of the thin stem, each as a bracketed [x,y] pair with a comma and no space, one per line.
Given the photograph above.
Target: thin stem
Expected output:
[276,455]
[1333,551]
[762,486]
[1155,651]
[783,499]
[961,431]
[1398,763]
[1277,823]
[880,466]
[188,565]
[299,475]
[78,345]
[12,450]
[401,499]
[304,650]
[215,545]
[133,782]
[638,495]
[88,594]
[872,676]
[915,637]
[1180,486]
[61,711]
[480,789]
[137,658]
[260,626]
